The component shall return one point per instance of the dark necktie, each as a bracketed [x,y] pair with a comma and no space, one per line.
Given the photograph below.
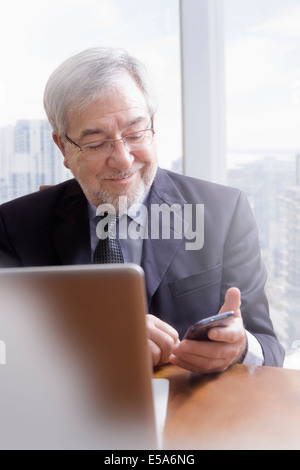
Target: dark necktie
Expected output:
[109,249]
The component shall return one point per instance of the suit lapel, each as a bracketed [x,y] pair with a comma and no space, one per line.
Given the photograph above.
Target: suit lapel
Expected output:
[158,253]
[71,233]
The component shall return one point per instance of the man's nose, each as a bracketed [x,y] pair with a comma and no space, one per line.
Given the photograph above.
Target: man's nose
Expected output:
[120,159]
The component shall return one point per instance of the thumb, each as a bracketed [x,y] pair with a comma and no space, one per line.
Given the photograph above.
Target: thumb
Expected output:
[232,301]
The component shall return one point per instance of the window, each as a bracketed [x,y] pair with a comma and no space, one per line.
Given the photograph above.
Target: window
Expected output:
[262,39]
[35,37]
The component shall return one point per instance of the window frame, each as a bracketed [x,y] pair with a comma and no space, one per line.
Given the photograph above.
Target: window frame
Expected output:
[203,89]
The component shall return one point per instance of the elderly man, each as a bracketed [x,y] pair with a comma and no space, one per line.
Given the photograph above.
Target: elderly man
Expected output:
[102,114]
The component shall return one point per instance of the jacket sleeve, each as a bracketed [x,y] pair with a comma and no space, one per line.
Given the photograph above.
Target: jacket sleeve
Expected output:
[8,256]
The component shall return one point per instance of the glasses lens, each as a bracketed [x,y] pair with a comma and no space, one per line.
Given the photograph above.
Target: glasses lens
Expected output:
[134,141]
[138,140]
[99,150]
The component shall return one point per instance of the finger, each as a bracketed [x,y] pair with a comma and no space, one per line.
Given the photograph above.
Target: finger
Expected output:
[162,340]
[199,351]
[186,347]
[232,333]
[232,301]
[155,323]
[155,352]
[203,356]
[198,364]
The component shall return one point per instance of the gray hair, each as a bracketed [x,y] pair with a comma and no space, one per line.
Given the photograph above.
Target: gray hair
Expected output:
[87,76]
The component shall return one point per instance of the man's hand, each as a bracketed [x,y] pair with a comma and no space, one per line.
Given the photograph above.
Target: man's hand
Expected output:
[162,338]
[227,346]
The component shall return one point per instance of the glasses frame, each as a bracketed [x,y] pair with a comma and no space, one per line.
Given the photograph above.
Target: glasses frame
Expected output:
[114,141]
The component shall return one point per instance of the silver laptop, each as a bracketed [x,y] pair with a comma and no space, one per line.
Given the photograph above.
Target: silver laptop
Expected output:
[75,371]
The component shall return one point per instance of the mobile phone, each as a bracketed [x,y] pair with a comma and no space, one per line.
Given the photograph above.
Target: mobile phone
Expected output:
[198,331]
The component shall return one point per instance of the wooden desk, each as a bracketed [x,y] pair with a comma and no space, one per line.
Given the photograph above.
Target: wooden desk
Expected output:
[246,407]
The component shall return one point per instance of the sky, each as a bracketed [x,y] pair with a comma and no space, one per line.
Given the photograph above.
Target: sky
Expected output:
[36,36]
[263,74]
[262,45]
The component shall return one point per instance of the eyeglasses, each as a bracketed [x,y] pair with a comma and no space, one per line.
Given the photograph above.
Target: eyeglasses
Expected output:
[136,141]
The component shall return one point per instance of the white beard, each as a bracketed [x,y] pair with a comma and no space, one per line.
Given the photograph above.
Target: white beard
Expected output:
[134,196]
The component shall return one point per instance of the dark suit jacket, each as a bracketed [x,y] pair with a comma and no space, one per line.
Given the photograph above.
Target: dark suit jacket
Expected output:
[51,227]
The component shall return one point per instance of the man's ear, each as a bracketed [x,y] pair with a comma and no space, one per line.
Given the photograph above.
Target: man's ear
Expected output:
[61,145]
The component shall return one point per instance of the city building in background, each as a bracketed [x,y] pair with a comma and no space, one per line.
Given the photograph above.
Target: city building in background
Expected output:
[272,187]
[28,159]
[262,42]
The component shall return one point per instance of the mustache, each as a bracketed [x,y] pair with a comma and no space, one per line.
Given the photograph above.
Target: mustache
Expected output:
[116,174]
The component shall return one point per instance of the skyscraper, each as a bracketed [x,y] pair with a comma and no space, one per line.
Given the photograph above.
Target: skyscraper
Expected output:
[28,159]
[292,259]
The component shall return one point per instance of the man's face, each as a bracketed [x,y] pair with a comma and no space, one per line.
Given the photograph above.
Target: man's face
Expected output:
[123,173]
